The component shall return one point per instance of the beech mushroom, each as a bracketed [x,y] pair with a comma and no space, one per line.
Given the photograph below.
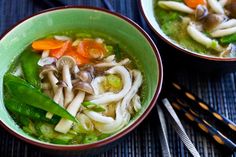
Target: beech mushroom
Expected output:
[202,38]
[223,2]
[216,6]
[62,38]
[228,24]
[231,8]
[89,68]
[45,54]
[201,12]
[46,86]
[46,61]
[64,125]
[178,6]
[84,86]
[211,21]
[58,96]
[111,64]
[74,71]
[109,58]
[85,76]
[223,32]
[65,63]
[49,70]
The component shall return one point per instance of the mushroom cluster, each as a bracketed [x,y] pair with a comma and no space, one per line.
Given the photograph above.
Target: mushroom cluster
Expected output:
[208,21]
[71,86]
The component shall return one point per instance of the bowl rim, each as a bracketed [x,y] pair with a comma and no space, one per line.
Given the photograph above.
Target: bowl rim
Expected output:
[186,51]
[128,129]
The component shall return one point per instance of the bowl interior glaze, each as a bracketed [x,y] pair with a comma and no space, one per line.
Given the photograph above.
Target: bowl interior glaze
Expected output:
[133,40]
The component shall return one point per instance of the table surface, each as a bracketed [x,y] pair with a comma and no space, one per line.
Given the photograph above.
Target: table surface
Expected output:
[219,90]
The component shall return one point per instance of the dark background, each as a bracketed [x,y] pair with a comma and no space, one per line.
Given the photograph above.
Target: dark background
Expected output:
[217,90]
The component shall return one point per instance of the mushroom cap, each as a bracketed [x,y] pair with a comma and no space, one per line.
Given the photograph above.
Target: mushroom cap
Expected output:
[47,68]
[85,76]
[65,60]
[89,68]
[61,84]
[231,7]
[201,12]
[46,61]
[213,20]
[84,86]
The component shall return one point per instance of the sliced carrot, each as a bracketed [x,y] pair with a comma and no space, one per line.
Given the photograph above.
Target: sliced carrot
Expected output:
[47,44]
[80,60]
[57,53]
[194,3]
[91,49]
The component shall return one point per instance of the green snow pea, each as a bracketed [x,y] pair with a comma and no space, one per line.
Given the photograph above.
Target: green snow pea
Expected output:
[28,111]
[29,64]
[27,94]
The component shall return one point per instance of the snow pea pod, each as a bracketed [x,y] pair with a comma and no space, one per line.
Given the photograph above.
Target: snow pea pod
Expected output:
[30,68]
[22,91]
[228,39]
[28,111]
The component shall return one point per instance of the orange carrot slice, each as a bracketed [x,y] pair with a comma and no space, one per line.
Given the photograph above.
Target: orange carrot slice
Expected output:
[194,3]
[47,44]
[57,53]
[89,48]
[80,60]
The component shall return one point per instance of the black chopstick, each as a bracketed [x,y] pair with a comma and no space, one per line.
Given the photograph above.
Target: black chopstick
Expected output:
[204,108]
[207,128]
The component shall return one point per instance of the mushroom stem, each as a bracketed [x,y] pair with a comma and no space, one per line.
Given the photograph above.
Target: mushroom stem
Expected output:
[64,125]
[216,6]
[57,97]
[228,24]
[126,80]
[223,32]
[53,81]
[49,93]
[45,86]
[110,58]
[113,63]
[223,2]
[45,54]
[177,6]
[68,90]
[202,38]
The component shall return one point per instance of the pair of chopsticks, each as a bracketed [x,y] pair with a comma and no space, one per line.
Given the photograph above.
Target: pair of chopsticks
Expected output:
[208,120]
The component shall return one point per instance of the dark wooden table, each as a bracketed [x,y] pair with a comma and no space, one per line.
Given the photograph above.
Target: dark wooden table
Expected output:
[217,90]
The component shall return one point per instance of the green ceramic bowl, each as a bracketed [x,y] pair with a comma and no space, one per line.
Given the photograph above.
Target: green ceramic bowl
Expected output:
[132,38]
